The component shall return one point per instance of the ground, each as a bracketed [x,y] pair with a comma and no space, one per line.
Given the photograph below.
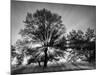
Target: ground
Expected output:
[53,68]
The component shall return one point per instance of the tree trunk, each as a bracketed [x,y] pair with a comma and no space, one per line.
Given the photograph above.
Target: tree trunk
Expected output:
[39,63]
[46,58]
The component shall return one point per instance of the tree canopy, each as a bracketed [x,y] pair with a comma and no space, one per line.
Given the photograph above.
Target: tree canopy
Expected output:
[83,43]
[46,28]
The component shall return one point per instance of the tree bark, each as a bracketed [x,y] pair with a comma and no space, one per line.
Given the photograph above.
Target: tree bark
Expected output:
[39,63]
[46,58]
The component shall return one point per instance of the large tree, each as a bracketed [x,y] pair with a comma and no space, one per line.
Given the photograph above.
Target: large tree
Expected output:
[45,28]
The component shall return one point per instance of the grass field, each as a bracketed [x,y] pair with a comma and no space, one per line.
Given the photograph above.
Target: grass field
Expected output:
[53,68]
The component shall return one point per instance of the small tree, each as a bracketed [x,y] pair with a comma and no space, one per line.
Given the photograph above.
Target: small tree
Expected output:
[46,28]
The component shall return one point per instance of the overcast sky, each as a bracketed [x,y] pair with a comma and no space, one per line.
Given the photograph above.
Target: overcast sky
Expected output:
[73,16]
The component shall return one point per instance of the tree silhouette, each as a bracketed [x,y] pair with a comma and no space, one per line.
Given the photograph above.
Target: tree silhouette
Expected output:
[46,28]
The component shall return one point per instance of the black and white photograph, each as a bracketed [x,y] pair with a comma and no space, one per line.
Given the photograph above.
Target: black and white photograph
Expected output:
[52,37]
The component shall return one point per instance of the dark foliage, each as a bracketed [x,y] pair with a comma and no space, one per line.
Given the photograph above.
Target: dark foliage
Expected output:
[83,43]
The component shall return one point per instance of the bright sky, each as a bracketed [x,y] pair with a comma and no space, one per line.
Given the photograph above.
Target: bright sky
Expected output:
[73,16]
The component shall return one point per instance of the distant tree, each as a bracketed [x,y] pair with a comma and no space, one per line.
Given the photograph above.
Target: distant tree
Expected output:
[83,43]
[13,53]
[76,39]
[90,45]
[46,28]
[90,35]
[76,42]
